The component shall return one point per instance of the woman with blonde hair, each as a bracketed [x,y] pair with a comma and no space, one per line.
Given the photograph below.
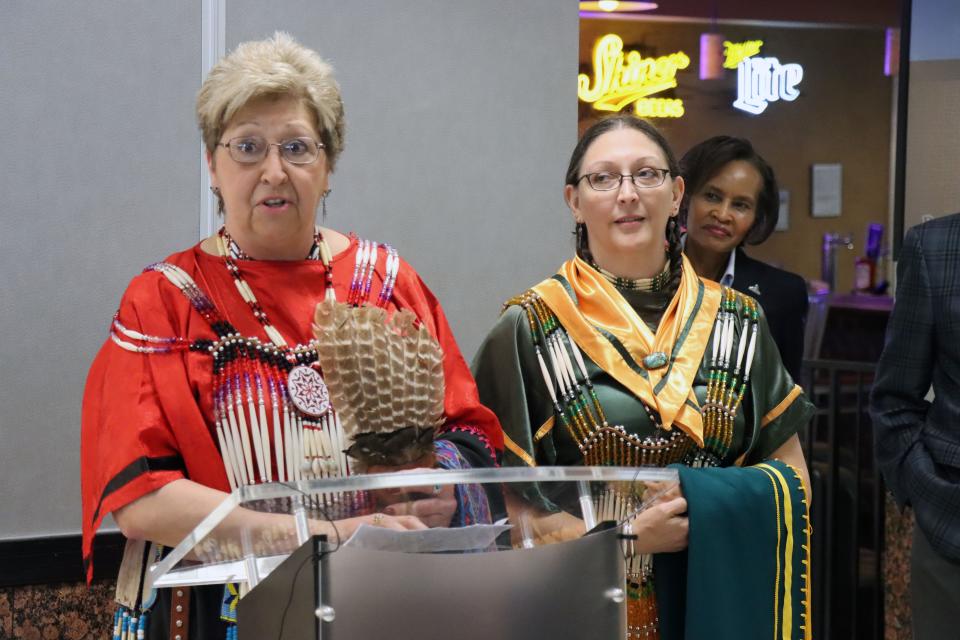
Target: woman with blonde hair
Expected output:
[211,356]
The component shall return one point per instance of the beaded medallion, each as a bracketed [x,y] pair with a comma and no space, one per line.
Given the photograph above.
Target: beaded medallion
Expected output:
[308,391]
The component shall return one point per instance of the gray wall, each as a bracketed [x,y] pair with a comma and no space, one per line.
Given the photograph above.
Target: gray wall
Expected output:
[935,30]
[461,115]
[933,135]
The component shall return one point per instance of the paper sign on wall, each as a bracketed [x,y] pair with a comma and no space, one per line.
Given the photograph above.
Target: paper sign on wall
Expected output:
[827,187]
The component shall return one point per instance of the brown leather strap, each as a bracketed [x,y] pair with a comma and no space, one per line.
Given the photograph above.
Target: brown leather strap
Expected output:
[180,613]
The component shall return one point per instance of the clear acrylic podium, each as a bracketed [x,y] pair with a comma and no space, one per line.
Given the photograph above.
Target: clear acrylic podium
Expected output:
[551,566]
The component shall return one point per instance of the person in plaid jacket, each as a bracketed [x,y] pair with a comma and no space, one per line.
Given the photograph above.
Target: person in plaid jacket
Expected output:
[918,438]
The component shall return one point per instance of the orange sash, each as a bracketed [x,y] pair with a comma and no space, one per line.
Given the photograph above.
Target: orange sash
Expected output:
[613,335]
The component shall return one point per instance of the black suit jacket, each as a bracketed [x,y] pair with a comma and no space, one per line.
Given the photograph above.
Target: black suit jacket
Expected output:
[918,442]
[783,296]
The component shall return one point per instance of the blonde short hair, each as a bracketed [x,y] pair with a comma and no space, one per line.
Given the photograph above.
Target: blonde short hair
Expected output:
[276,67]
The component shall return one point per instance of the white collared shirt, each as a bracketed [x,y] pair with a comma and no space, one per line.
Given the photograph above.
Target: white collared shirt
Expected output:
[727,278]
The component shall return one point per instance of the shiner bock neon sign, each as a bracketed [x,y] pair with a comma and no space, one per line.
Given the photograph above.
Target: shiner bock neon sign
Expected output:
[621,79]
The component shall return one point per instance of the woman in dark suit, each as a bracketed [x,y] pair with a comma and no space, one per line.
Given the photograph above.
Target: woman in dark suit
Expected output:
[732,199]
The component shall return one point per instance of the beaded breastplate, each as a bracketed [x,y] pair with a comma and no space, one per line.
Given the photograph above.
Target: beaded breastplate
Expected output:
[578,410]
[273,420]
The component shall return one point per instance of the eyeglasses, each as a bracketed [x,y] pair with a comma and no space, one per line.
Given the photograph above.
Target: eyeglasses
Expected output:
[643,178]
[253,149]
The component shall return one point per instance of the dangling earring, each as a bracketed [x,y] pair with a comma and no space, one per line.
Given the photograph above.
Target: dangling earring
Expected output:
[323,204]
[216,191]
[671,232]
[583,249]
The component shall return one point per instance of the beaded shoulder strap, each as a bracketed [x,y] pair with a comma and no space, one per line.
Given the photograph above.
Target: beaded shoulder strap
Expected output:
[729,369]
[368,252]
[143,343]
[198,299]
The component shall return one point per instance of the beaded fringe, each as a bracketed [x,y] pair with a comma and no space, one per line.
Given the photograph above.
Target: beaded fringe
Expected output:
[129,624]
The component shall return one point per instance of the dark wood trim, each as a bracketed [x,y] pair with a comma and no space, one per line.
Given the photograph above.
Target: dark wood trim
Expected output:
[55,559]
[900,146]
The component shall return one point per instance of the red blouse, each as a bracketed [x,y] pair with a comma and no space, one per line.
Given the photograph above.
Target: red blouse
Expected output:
[148,418]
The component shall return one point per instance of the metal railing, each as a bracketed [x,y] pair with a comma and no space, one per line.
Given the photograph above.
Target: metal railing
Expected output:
[848,502]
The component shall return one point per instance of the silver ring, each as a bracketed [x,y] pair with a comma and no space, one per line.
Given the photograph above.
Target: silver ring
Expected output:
[377,519]
[436,489]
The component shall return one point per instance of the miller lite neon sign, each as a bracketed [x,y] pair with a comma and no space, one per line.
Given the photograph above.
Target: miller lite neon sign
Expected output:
[761,81]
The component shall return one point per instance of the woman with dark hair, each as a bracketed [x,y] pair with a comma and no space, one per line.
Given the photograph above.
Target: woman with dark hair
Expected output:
[627,357]
[732,199]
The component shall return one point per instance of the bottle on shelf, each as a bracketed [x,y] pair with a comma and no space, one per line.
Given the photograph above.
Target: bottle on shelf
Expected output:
[865,274]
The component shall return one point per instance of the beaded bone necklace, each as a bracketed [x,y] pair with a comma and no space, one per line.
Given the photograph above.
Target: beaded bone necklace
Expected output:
[305,386]
[226,246]
[272,414]
[577,407]
[656,283]
[300,410]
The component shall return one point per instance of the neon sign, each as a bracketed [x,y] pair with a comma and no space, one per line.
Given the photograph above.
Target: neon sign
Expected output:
[659,107]
[736,52]
[761,81]
[621,79]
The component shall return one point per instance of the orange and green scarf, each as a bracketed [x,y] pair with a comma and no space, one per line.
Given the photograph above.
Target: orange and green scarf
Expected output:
[610,332]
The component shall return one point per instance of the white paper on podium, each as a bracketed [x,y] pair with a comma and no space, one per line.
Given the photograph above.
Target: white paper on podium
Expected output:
[476,537]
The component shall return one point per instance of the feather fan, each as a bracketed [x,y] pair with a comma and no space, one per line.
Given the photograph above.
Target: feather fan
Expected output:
[385,377]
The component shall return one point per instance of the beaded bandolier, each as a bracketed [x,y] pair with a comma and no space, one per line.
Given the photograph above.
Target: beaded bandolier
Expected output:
[577,409]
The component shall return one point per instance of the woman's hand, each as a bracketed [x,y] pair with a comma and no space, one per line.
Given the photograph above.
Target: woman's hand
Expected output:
[348,526]
[434,505]
[435,511]
[663,526]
